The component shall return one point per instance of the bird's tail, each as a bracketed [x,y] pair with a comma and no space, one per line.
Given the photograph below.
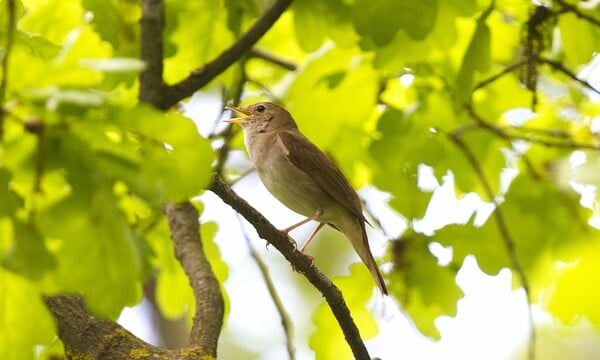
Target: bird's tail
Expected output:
[357,235]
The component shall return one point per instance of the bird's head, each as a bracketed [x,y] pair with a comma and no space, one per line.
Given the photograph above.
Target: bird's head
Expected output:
[262,117]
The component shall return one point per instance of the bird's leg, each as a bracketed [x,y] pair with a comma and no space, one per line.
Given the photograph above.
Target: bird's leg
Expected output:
[315,216]
[312,236]
[286,231]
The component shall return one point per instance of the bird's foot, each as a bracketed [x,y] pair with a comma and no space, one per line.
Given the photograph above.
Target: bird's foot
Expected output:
[286,232]
[267,243]
[309,256]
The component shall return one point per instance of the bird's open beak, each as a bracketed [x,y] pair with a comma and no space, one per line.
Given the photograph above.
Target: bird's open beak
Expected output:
[241,119]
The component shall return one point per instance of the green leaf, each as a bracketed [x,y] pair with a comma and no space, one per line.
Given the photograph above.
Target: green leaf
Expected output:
[571,296]
[25,320]
[426,289]
[380,20]
[28,255]
[52,19]
[543,222]
[98,256]
[579,39]
[9,200]
[174,296]
[404,51]
[35,45]
[336,79]
[213,254]
[190,44]
[505,93]
[116,22]
[315,21]
[477,58]
[179,172]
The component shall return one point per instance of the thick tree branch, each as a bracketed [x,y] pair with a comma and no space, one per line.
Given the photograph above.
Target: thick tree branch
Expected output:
[302,263]
[151,78]
[208,320]
[203,75]
[88,337]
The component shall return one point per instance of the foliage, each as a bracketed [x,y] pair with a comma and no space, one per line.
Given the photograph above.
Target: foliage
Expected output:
[382,86]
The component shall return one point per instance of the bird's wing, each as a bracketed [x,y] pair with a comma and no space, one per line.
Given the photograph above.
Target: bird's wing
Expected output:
[306,156]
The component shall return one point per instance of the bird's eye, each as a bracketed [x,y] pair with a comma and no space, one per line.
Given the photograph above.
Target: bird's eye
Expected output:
[260,108]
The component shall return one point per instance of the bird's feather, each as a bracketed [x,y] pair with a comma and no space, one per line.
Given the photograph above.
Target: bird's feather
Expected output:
[308,158]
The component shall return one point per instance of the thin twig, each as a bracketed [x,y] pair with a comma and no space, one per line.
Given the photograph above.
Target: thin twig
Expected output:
[556,133]
[497,76]
[274,98]
[241,176]
[575,10]
[509,243]
[504,133]
[302,263]
[203,75]
[557,65]
[230,131]
[264,55]
[286,321]
[10,28]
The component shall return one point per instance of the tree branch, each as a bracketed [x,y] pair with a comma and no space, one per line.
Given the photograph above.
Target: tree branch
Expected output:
[575,10]
[286,321]
[208,320]
[557,65]
[509,243]
[203,75]
[264,55]
[497,76]
[510,135]
[302,263]
[151,41]
[88,337]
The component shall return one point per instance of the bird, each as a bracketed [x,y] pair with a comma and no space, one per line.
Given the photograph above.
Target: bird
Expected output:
[303,178]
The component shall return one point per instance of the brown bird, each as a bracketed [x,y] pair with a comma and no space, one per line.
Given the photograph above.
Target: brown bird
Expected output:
[304,179]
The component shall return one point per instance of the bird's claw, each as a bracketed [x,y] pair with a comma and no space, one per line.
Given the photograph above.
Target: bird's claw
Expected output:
[286,233]
[310,257]
[267,243]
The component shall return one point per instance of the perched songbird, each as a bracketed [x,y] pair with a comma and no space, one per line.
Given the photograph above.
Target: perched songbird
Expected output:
[304,179]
